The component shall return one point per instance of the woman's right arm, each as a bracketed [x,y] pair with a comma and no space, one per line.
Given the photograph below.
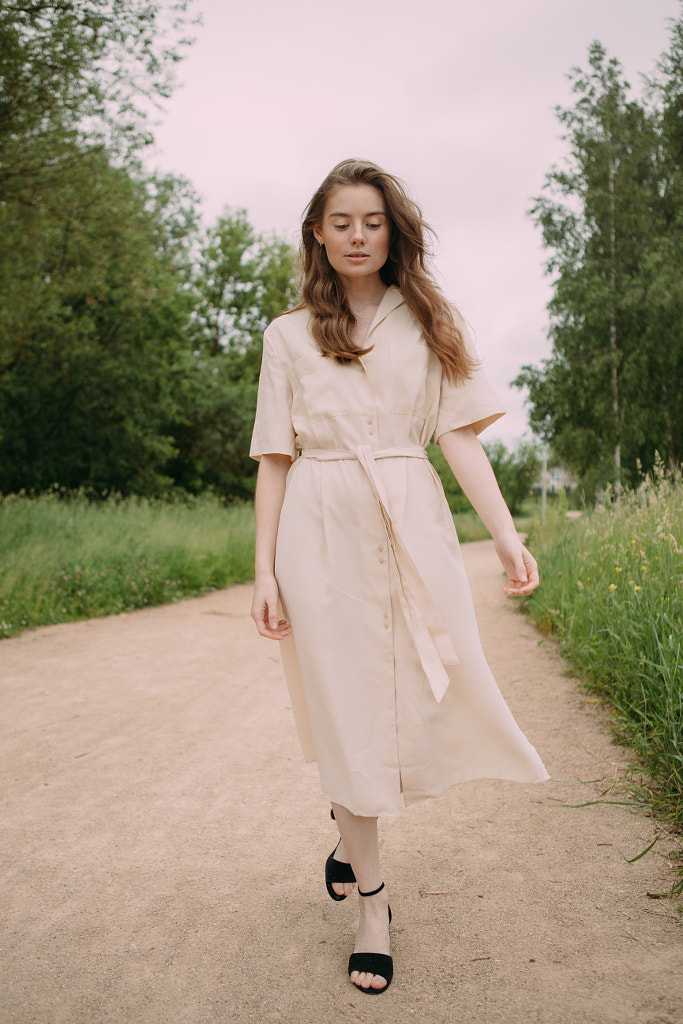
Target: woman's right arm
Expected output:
[270,492]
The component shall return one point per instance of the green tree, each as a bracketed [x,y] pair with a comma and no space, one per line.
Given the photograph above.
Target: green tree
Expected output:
[243,281]
[97,331]
[129,345]
[94,263]
[455,496]
[601,216]
[516,471]
[80,71]
[663,283]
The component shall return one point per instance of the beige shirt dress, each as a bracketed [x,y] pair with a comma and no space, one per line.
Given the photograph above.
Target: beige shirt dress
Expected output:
[390,689]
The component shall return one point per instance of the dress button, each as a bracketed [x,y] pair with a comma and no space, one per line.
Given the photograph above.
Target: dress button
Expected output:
[380,548]
[386,625]
[369,420]
[381,561]
[386,615]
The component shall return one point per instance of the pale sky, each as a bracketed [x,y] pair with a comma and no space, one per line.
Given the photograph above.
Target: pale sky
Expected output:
[455,98]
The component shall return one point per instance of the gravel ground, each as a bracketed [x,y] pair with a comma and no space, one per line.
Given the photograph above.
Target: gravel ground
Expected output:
[163,844]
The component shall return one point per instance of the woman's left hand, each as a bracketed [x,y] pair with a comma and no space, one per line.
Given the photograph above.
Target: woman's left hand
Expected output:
[519,565]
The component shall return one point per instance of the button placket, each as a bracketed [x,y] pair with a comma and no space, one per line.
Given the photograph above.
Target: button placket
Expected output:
[381,558]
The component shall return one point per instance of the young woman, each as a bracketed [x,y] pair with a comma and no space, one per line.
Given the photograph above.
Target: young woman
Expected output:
[390,689]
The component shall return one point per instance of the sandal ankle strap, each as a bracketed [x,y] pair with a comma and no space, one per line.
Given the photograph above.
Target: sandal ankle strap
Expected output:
[374,891]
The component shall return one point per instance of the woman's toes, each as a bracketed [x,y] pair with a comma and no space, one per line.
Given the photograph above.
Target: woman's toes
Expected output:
[343,888]
[368,980]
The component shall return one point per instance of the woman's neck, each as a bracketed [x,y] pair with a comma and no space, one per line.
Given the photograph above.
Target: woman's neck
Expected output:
[364,296]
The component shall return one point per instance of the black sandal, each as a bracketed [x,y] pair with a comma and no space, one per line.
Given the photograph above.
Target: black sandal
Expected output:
[373,963]
[337,871]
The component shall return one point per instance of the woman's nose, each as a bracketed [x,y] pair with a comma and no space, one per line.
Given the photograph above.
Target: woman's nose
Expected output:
[358,235]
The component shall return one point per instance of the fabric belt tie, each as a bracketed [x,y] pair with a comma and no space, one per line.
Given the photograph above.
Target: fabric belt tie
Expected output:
[432,640]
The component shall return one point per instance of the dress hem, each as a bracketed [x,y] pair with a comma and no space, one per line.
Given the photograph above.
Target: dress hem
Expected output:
[413,799]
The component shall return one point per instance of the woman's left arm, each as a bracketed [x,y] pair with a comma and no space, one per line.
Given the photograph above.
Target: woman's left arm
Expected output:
[472,469]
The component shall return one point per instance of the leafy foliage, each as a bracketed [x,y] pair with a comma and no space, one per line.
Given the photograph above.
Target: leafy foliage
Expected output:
[80,71]
[515,471]
[610,395]
[129,338]
[242,282]
[92,334]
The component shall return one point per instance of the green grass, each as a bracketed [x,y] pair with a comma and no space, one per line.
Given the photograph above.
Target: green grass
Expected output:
[612,592]
[469,527]
[66,558]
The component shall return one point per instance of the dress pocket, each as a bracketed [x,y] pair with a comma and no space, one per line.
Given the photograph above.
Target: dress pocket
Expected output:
[327,388]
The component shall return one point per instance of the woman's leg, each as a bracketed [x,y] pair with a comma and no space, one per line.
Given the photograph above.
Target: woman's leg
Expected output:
[360,845]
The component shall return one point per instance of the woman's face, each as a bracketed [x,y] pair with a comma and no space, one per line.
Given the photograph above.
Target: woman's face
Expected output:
[355,231]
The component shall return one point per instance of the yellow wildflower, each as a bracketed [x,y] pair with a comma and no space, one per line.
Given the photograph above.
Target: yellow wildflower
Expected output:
[613,586]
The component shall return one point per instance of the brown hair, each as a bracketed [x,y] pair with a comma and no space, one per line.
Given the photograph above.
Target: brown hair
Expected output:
[406,267]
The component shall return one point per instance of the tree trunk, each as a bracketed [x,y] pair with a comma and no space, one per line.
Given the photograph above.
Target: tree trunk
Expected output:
[613,329]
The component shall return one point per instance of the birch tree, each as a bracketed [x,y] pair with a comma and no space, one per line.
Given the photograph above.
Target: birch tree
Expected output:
[598,214]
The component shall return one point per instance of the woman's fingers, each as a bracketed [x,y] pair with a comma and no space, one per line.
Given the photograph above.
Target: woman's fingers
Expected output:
[264,612]
[277,632]
[271,611]
[522,573]
[274,629]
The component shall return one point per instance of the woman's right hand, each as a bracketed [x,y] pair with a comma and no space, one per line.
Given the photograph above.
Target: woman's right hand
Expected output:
[264,609]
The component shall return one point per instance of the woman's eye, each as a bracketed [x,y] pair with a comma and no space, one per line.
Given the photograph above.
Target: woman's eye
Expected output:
[374,225]
[341,227]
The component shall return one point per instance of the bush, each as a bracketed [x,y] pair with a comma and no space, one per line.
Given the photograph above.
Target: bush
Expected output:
[515,471]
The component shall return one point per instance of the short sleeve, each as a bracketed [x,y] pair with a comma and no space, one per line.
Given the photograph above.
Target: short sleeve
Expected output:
[273,430]
[469,403]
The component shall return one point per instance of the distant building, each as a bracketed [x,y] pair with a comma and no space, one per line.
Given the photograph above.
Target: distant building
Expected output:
[559,479]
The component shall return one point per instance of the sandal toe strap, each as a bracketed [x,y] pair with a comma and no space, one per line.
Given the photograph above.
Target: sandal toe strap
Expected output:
[338,871]
[372,963]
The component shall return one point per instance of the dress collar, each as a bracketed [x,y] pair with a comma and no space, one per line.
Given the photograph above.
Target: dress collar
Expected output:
[391,299]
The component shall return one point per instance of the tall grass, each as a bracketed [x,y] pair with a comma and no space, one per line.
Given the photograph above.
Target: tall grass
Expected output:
[65,558]
[613,594]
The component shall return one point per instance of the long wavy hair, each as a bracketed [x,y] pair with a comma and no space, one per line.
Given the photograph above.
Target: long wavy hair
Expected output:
[406,267]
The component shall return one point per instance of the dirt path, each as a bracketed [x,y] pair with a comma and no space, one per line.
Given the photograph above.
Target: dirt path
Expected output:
[163,845]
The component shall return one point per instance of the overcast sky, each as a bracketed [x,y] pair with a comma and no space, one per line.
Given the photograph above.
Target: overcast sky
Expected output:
[455,98]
